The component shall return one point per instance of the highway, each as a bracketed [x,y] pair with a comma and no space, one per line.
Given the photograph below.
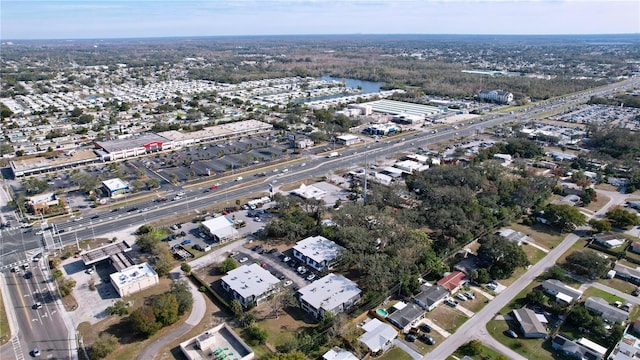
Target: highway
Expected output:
[41,327]
[17,243]
[45,328]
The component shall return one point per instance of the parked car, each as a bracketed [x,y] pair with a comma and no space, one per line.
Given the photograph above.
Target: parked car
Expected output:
[272,251]
[186,242]
[35,351]
[198,247]
[311,277]
[511,333]
[636,292]
[425,328]
[286,259]
[469,295]
[288,283]
[461,297]
[243,260]
[410,338]
[451,302]
[427,339]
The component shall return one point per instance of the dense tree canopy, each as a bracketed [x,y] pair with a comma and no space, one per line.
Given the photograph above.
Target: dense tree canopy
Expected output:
[501,256]
[622,218]
[587,263]
[564,217]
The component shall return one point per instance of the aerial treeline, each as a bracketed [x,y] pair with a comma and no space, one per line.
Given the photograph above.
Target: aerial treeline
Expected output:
[618,100]
[460,204]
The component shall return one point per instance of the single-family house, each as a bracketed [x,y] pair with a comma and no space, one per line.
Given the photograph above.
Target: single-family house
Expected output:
[530,323]
[574,349]
[561,291]
[635,247]
[514,236]
[626,273]
[250,284]
[626,348]
[610,240]
[406,317]
[329,294]
[317,252]
[431,297]
[378,336]
[453,281]
[337,353]
[608,312]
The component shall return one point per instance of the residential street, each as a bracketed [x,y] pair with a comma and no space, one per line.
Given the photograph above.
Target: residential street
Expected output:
[475,328]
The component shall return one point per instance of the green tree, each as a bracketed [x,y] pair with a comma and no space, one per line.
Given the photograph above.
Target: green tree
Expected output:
[165,309]
[598,226]
[564,217]
[236,308]
[143,321]
[185,267]
[472,348]
[180,289]
[622,218]
[579,316]
[118,308]
[103,346]
[536,296]
[227,265]
[256,334]
[65,286]
[587,263]
[295,355]
[502,256]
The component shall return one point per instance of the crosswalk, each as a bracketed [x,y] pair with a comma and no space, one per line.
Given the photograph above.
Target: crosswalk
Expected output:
[17,349]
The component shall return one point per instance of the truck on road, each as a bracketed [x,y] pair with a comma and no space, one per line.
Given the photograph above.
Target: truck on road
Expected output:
[333,154]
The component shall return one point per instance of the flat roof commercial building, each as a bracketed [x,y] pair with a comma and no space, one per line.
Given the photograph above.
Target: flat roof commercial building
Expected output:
[133,279]
[221,228]
[115,187]
[217,342]
[317,252]
[329,294]
[394,107]
[40,165]
[249,284]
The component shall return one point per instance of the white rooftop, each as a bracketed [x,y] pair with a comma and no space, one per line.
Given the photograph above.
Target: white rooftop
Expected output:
[329,291]
[377,334]
[132,274]
[115,184]
[318,249]
[309,191]
[250,280]
[222,226]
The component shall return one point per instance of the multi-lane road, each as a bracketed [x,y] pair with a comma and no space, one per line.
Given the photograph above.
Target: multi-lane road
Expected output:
[36,316]
[18,246]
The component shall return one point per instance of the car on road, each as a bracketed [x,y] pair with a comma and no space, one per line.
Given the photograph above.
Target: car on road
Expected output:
[272,251]
[132,209]
[243,260]
[95,216]
[511,333]
[28,275]
[186,242]
[25,266]
[213,187]
[37,305]
[162,199]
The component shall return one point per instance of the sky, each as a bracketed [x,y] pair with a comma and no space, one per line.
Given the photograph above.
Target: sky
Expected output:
[79,19]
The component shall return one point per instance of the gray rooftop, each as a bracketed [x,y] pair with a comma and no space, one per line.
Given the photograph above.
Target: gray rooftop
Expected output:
[606,311]
[250,280]
[329,292]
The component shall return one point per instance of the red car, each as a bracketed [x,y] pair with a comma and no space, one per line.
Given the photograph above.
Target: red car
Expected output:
[213,187]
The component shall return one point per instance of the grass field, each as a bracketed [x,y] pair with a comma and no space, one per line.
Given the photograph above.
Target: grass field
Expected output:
[542,234]
[598,204]
[395,354]
[610,298]
[485,353]
[624,286]
[448,318]
[5,333]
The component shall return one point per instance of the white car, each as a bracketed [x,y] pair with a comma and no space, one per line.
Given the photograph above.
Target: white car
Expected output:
[287,283]
[243,260]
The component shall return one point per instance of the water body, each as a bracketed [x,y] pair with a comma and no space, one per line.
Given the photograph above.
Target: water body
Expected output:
[367,86]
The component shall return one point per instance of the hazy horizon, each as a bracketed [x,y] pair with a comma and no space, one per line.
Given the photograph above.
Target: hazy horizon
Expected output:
[114,19]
